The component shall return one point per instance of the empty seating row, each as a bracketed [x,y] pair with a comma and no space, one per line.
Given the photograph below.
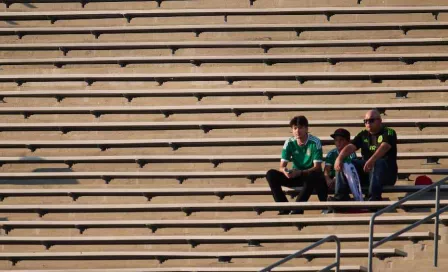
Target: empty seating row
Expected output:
[167,111]
[225,224]
[178,143]
[230,78]
[405,27]
[83,3]
[14,258]
[190,208]
[221,193]
[8,3]
[343,268]
[264,45]
[180,176]
[129,95]
[131,14]
[199,60]
[194,241]
[207,126]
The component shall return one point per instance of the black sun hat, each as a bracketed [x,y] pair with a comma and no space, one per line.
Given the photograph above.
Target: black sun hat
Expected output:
[341,132]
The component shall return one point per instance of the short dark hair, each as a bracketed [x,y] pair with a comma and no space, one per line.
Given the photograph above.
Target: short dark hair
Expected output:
[299,121]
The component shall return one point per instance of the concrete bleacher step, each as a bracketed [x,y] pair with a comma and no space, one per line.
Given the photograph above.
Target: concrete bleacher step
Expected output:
[221,193]
[194,241]
[188,209]
[167,111]
[245,3]
[175,144]
[265,46]
[270,93]
[405,27]
[421,257]
[8,3]
[108,176]
[343,268]
[128,15]
[206,126]
[230,78]
[221,256]
[215,160]
[245,59]
[224,224]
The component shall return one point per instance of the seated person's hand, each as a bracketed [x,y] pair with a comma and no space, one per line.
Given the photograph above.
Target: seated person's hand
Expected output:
[338,165]
[368,166]
[291,173]
[286,173]
[296,173]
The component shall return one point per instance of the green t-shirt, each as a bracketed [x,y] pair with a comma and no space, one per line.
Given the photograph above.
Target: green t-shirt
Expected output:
[331,159]
[302,157]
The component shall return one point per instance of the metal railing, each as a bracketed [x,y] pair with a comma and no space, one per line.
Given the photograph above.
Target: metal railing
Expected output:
[299,253]
[397,204]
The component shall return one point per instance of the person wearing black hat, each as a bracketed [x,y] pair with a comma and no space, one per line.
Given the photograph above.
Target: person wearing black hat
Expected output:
[341,139]
[378,166]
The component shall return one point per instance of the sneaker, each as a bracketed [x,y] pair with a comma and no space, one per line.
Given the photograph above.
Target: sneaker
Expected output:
[338,198]
[284,212]
[297,212]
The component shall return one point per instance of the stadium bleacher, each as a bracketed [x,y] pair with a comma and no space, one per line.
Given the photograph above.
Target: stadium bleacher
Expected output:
[109,104]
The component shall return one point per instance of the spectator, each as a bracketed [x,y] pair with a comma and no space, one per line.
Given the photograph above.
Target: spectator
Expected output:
[305,152]
[341,139]
[378,165]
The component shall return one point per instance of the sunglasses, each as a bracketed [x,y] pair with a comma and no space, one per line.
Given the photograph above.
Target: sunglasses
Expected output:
[370,121]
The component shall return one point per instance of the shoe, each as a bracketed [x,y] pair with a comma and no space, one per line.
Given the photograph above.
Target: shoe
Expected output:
[339,198]
[284,212]
[297,212]
[336,199]
[375,198]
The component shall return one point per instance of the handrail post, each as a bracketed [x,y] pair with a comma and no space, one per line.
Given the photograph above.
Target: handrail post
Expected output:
[436,227]
[299,253]
[435,214]
[338,253]
[371,232]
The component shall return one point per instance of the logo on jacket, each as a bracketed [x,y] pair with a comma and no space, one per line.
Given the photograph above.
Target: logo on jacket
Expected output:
[380,139]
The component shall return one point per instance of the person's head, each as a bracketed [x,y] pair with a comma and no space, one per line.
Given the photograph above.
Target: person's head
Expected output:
[299,126]
[341,138]
[373,121]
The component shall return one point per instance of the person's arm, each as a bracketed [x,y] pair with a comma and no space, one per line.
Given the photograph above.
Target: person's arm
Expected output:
[282,168]
[330,181]
[379,153]
[285,158]
[317,160]
[347,151]
[329,164]
[317,167]
[292,174]
[283,165]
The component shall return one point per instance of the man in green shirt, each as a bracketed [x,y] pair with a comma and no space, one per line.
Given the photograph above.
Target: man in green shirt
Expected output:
[341,139]
[305,152]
